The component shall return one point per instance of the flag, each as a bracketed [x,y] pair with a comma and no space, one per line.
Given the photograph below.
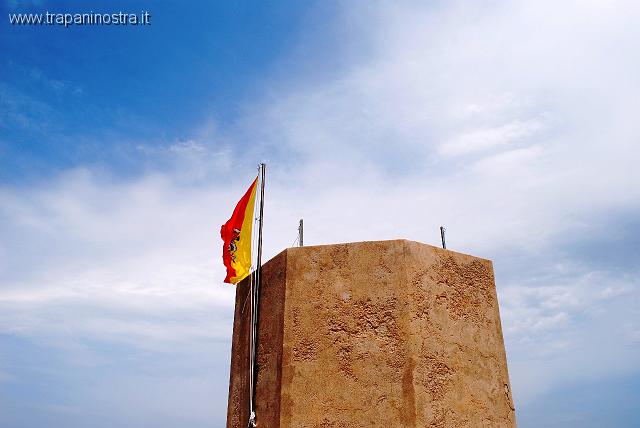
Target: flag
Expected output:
[236,234]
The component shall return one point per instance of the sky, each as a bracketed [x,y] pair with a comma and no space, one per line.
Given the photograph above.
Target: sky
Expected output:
[123,150]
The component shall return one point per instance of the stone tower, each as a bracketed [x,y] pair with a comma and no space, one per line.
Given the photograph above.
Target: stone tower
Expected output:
[373,334]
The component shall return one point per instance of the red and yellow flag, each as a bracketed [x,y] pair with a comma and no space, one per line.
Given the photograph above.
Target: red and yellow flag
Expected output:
[236,234]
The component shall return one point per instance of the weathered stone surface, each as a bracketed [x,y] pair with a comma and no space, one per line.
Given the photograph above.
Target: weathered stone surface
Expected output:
[374,334]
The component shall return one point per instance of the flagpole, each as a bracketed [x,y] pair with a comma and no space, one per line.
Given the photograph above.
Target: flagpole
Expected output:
[255,300]
[262,174]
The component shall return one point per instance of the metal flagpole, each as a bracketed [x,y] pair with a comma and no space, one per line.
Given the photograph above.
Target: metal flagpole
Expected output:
[255,300]
[259,270]
[252,414]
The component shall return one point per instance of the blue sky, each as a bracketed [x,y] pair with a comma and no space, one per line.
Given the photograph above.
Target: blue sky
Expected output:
[122,150]
[123,85]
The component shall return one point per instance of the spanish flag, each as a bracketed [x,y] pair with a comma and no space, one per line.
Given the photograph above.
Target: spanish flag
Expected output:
[236,234]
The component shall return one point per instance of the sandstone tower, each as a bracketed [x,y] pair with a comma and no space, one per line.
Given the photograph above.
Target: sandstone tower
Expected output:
[373,334]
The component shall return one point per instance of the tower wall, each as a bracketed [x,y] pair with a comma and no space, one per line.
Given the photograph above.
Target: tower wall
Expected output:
[382,334]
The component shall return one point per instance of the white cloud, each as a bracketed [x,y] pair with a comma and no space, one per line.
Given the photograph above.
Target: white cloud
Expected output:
[483,139]
[136,249]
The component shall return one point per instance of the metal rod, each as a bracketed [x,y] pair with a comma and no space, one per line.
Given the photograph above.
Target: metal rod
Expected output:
[444,243]
[301,234]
